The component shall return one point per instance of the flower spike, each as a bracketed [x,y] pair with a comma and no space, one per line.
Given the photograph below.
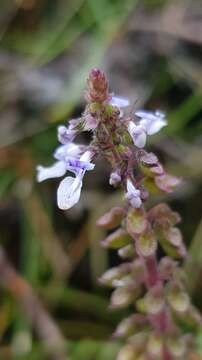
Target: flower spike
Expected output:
[156,287]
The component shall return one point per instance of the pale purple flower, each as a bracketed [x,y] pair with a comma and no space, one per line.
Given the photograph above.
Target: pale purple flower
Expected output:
[69,190]
[133,195]
[66,135]
[153,121]
[119,101]
[90,122]
[115,178]
[138,134]
[56,170]
[69,159]
[64,152]
[150,124]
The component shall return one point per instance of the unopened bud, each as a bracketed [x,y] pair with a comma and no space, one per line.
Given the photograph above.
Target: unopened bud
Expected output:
[117,239]
[123,296]
[136,222]
[171,241]
[97,87]
[167,267]
[155,346]
[127,353]
[130,325]
[112,218]
[167,183]
[127,251]
[114,273]
[115,178]
[178,298]
[146,243]
[162,212]
[153,302]
[177,347]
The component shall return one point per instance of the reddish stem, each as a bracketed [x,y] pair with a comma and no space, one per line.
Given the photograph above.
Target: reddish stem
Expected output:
[160,321]
[152,276]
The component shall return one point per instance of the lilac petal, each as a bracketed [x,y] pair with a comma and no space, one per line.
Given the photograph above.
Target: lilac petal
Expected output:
[138,134]
[150,115]
[76,165]
[160,114]
[147,115]
[86,156]
[140,139]
[69,191]
[115,178]
[136,202]
[68,150]
[56,170]
[152,121]
[133,195]
[131,188]
[119,101]
[149,158]
[66,135]
[153,127]
[90,122]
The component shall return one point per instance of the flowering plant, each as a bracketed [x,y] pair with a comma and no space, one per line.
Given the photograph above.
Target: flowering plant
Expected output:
[156,288]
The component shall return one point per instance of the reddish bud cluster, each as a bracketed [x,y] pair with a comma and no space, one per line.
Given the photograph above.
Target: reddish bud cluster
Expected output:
[97,90]
[156,289]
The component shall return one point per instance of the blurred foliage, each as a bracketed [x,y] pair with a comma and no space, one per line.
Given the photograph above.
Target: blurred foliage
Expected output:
[151,51]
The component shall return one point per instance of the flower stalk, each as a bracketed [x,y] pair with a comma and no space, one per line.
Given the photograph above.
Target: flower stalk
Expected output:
[154,287]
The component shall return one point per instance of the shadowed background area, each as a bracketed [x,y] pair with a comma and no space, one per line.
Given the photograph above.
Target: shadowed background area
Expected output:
[151,50]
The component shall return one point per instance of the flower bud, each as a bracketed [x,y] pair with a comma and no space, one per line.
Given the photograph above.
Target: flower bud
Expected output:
[152,171]
[150,165]
[97,87]
[123,296]
[167,267]
[176,347]
[130,326]
[155,346]
[178,298]
[162,212]
[133,195]
[117,239]
[167,183]
[153,302]
[148,159]
[112,218]
[127,251]
[128,352]
[114,273]
[146,243]
[115,178]
[136,222]
[139,341]
[171,241]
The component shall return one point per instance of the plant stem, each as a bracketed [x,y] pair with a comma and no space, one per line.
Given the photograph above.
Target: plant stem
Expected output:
[161,320]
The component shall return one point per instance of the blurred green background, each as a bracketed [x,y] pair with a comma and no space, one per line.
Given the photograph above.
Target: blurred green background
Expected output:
[151,51]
